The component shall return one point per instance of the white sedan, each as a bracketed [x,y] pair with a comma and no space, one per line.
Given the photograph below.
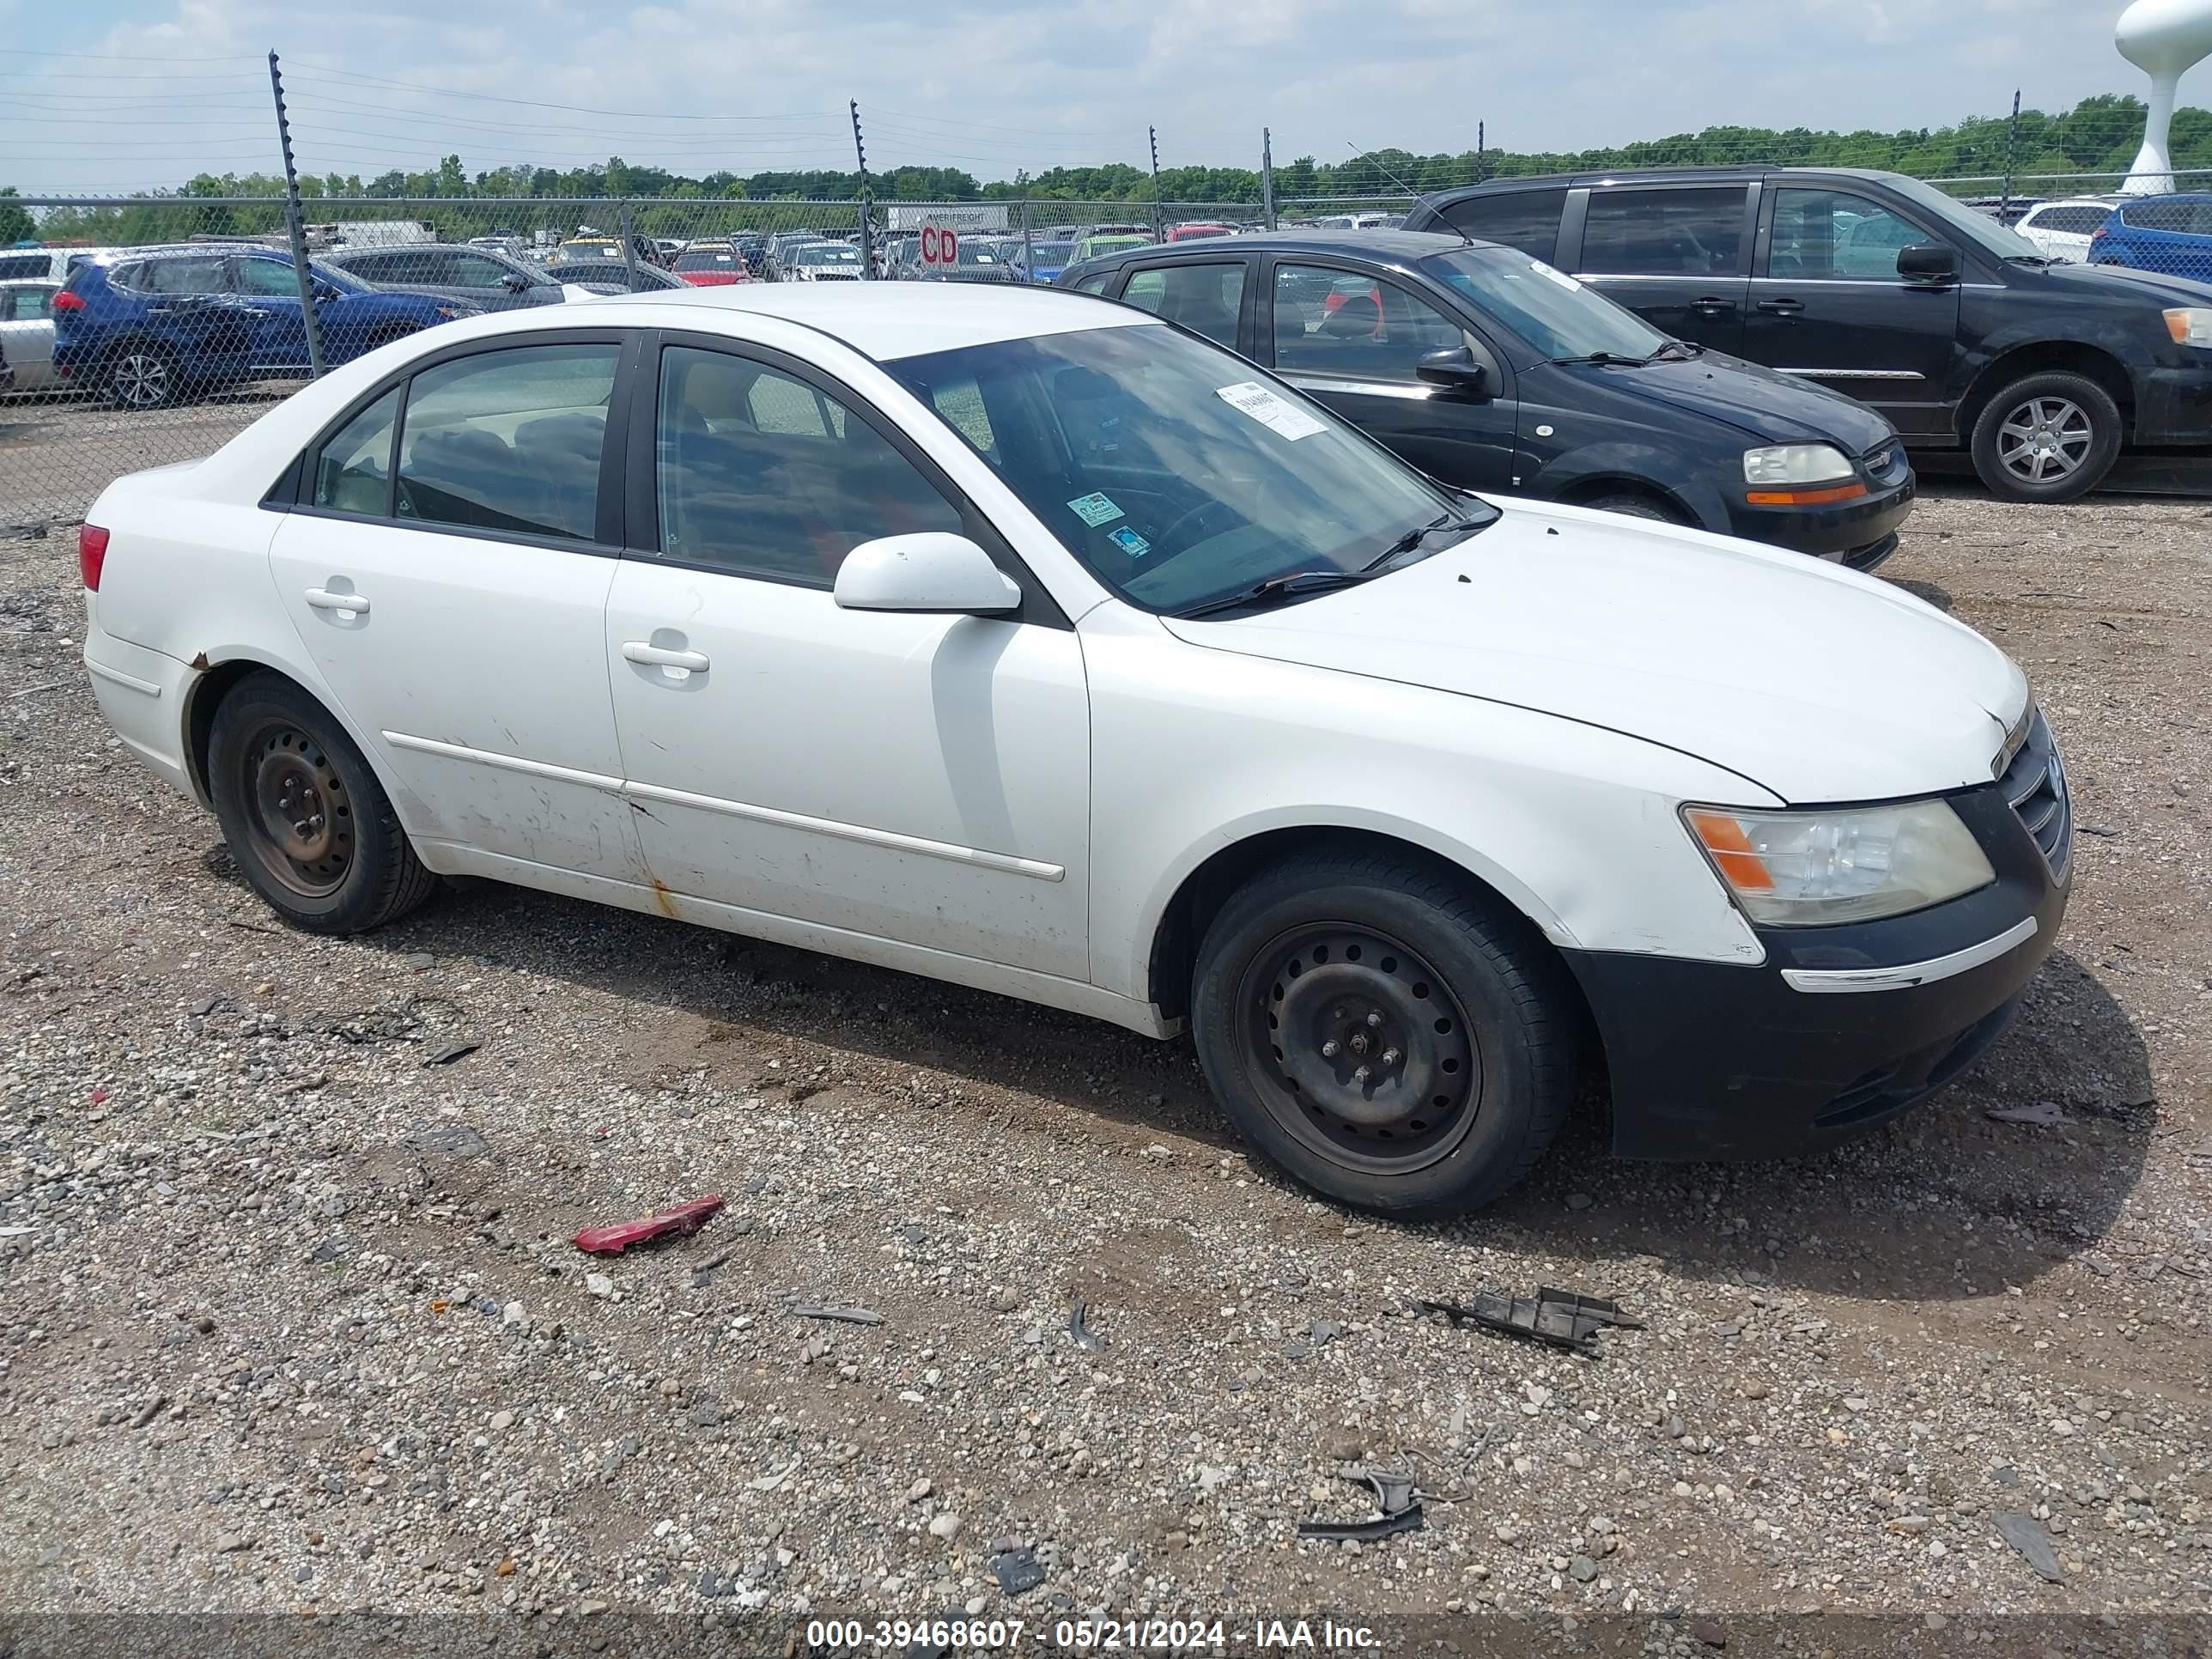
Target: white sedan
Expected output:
[1019,639]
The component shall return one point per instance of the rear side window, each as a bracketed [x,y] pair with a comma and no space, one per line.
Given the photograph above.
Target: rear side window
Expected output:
[761,475]
[1524,219]
[26,305]
[1204,299]
[180,276]
[2159,216]
[15,266]
[1095,284]
[353,470]
[508,441]
[2071,221]
[1696,232]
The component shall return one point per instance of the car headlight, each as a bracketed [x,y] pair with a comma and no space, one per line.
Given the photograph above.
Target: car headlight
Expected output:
[451,312]
[2190,326]
[1796,464]
[1842,864]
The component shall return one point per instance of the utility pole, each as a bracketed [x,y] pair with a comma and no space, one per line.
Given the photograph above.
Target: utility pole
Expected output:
[1480,162]
[297,227]
[1159,225]
[867,200]
[1266,177]
[2012,149]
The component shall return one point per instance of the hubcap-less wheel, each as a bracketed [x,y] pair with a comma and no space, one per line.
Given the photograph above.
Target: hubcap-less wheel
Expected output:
[302,825]
[2045,439]
[1359,1049]
[142,380]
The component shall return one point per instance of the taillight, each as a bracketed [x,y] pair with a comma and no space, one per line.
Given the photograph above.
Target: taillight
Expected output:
[91,554]
[2101,233]
[66,300]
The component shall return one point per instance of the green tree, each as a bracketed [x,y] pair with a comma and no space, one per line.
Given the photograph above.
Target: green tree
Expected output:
[16,225]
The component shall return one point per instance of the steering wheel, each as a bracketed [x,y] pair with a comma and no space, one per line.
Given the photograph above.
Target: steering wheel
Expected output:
[1168,543]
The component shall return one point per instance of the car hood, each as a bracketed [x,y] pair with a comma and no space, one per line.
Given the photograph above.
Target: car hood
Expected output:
[2155,286]
[1812,681]
[1765,405]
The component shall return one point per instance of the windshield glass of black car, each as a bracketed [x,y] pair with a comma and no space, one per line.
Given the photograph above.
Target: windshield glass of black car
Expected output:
[1556,316]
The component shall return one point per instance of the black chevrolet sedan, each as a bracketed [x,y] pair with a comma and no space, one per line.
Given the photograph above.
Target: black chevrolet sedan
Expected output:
[1490,370]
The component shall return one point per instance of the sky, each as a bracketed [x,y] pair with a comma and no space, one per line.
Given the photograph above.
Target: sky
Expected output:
[167,88]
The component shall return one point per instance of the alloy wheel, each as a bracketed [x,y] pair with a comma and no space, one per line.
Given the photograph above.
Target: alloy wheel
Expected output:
[2045,439]
[141,379]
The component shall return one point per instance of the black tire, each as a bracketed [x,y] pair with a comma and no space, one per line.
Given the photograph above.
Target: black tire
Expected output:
[138,375]
[1329,948]
[1633,506]
[2068,417]
[274,752]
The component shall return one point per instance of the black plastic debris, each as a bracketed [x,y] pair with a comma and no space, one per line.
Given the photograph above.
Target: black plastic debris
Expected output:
[1397,1510]
[1080,1328]
[452,1052]
[2026,1534]
[1564,1319]
[1018,1572]
[842,1316]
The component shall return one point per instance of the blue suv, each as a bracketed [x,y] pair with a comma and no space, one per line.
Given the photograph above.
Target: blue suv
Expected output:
[151,326]
[2168,233]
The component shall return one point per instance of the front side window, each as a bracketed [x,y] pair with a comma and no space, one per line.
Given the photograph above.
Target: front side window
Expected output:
[474,271]
[1553,313]
[1526,219]
[1204,299]
[508,441]
[1335,322]
[353,471]
[267,277]
[763,474]
[1177,473]
[1664,232]
[1831,236]
[187,276]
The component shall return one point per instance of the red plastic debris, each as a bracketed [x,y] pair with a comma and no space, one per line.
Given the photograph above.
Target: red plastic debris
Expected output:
[618,1236]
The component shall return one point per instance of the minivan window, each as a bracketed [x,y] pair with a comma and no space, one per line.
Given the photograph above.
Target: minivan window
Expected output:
[1552,312]
[1690,232]
[1832,235]
[1175,471]
[1204,299]
[1526,219]
[508,441]
[1979,229]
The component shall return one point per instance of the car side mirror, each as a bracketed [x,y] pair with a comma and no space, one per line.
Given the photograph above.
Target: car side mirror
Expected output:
[326,291]
[515,282]
[1928,262]
[929,571]
[1455,368]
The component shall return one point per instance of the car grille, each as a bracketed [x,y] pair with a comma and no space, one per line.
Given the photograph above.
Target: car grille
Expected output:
[2034,782]
[1886,464]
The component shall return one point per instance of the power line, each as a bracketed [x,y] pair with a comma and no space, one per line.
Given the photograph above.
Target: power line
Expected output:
[124,57]
[348,77]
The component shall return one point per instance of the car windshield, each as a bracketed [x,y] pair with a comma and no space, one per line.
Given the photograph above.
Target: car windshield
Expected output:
[1555,315]
[1177,473]
[1979,229]
[343,280]
[705,259]
[1050,253]
[829,254]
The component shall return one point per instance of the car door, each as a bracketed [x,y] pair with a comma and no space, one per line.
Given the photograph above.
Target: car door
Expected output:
[1677,255]
[27,333]
[1827,304]
[446,570]
[1352,337]
[1209,297]
[269,291]
[920,779]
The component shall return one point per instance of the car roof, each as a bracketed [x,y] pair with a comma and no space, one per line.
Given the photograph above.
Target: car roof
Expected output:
[1746,173]
[1386,245]
[2166,196]
[882,320]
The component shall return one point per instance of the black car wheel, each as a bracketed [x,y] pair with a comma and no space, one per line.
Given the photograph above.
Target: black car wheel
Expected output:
[2047,437]
[141,376]
[308,822]
[1629,505]
[1370,1025]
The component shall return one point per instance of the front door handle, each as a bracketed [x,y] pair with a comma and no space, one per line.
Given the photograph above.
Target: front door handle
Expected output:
[352,604]
[658,656]
[1711,305]
[1782,307]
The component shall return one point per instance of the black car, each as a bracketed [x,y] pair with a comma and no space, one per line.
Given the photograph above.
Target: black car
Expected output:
[1491,371]
[488,280]
[1957,329]
[611,277]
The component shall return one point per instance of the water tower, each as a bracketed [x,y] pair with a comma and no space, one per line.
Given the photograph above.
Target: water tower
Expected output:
[2161,37]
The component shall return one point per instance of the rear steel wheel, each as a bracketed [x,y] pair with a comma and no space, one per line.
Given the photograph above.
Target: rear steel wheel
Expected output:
[302,821]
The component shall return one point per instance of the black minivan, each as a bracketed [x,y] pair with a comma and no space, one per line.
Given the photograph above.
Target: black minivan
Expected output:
[1492,371]
[1960,330]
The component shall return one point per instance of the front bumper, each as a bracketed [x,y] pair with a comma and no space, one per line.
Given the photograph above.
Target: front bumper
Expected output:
[1841,1027]
[1861,533]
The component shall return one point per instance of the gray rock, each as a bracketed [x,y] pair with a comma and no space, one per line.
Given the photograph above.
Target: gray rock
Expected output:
[455,1140]
[1582,1569]
[2023,1533]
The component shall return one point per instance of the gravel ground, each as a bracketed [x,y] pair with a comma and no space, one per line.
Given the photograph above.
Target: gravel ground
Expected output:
[292,1322]
[58,450]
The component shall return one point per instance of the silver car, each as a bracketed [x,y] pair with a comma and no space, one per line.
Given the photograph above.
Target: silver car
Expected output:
[27,332]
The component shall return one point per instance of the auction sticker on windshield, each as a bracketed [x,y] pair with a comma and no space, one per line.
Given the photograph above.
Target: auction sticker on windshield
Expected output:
[1093,510]
[1559,276]
[1271,411]
[1129,542]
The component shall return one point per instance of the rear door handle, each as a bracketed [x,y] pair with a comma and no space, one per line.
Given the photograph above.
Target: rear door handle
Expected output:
[656,656]
[1711,305]
[323,599]
[1782,307]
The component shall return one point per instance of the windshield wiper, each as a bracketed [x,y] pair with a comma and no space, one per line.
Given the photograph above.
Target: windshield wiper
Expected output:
[1687,348]
[1293,585]
[2028,259]
[1603,359]
[1412,539]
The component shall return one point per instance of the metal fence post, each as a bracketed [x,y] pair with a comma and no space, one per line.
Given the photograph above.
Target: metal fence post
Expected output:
[297,226]
[1159,224]
[1480,160]
[630,247]
[1029,252]
[867,231]
[2012,150]
[1266,177]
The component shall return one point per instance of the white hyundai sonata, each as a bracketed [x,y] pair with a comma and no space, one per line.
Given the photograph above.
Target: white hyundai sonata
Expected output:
[1019,639]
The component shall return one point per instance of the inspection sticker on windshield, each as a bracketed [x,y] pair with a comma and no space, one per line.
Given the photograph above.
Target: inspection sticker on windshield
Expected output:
[1129,542]
[1559,276]
[1094,510]
[1265,407]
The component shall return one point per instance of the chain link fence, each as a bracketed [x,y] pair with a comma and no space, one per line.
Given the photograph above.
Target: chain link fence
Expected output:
[143,330]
